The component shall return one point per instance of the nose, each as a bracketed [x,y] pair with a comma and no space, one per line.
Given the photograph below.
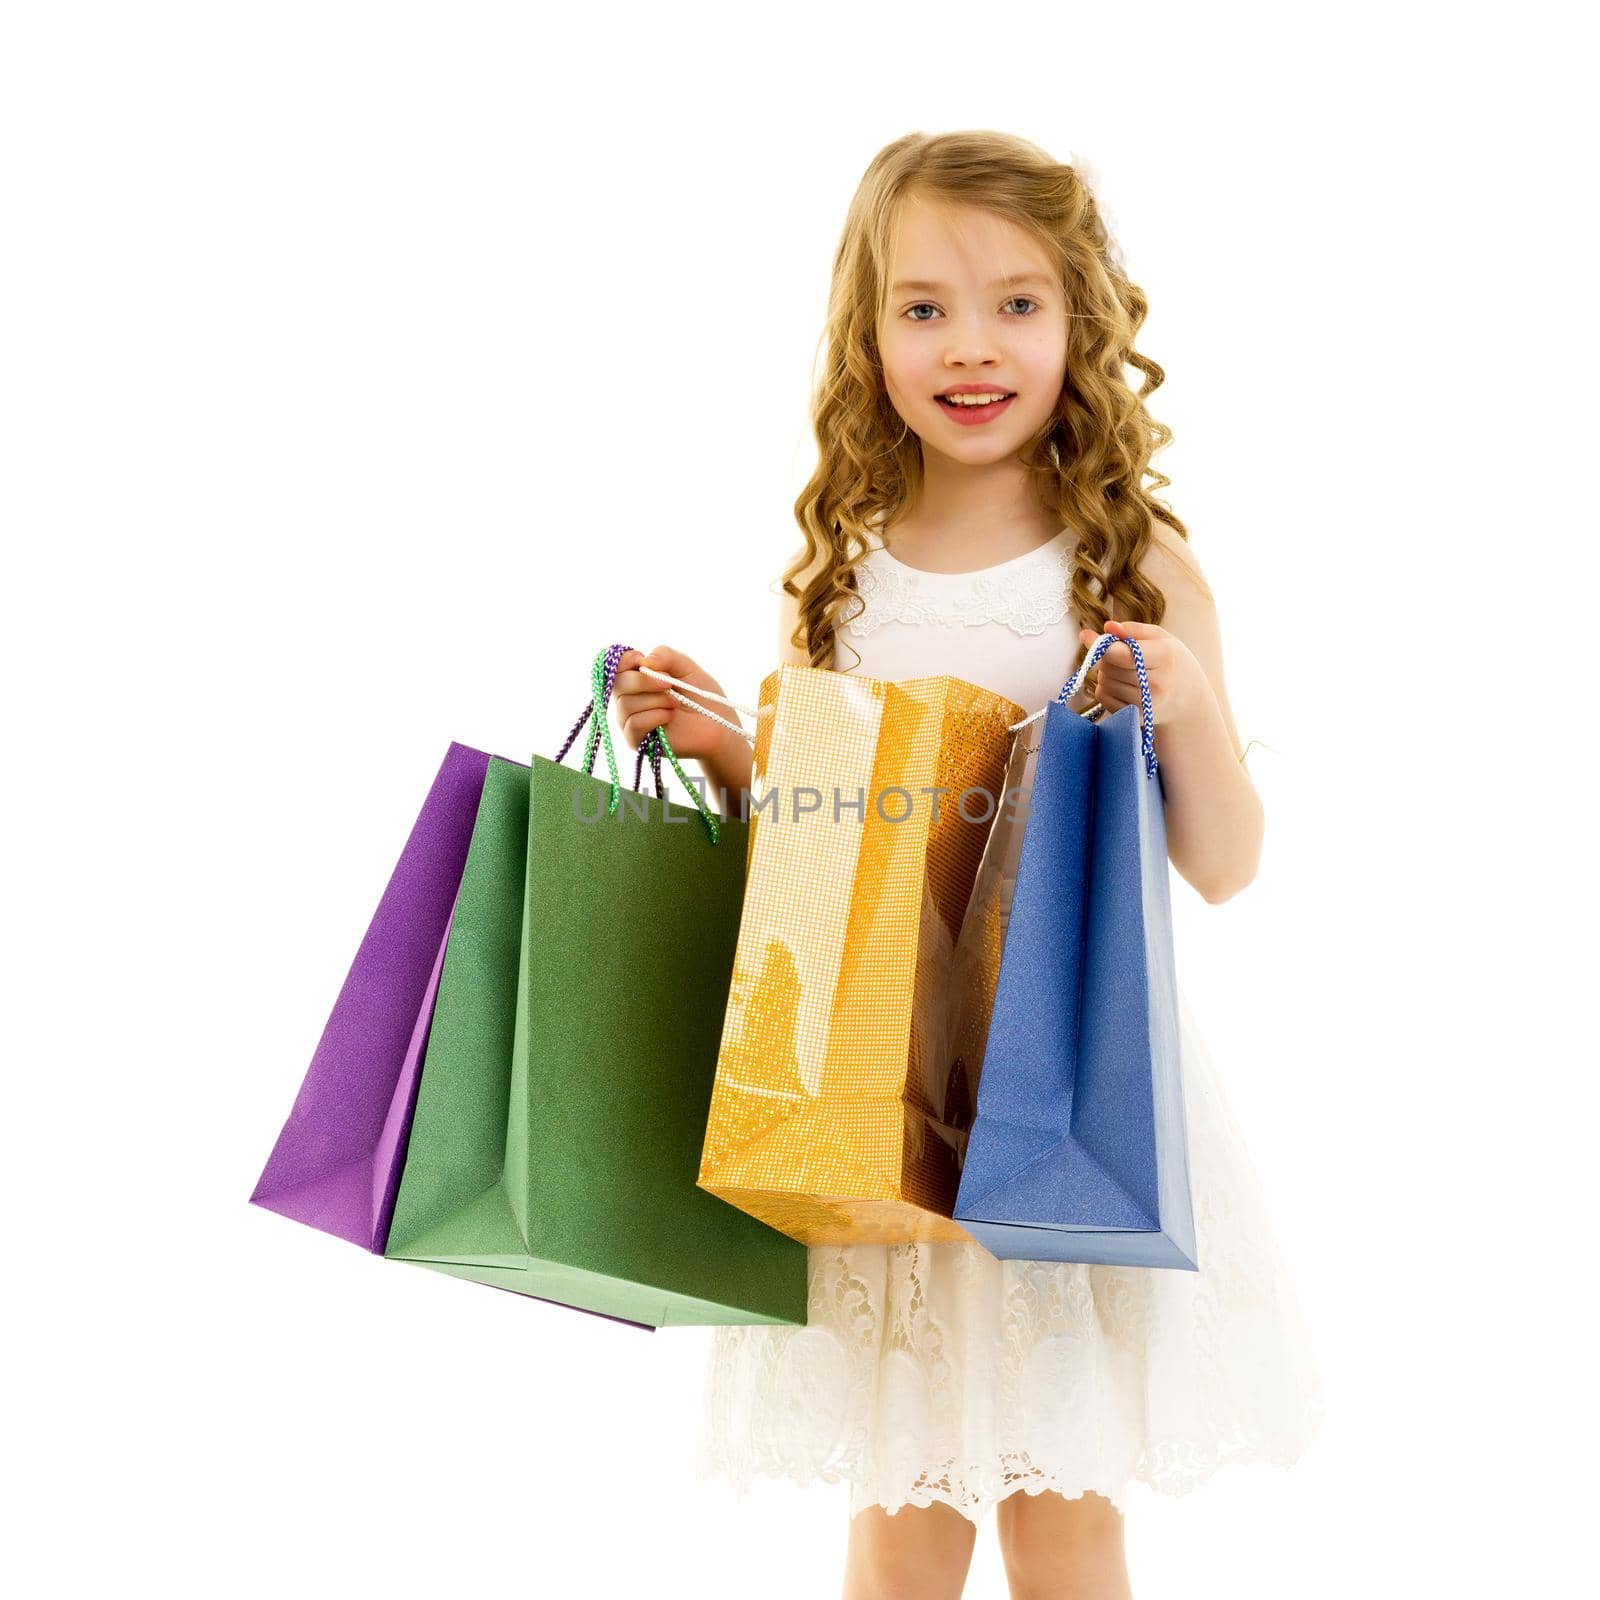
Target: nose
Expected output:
[971,344]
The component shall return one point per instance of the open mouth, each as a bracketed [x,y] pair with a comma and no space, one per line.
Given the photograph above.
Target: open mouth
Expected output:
[972,402]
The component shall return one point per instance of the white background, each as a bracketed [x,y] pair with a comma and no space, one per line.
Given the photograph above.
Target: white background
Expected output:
[367,367]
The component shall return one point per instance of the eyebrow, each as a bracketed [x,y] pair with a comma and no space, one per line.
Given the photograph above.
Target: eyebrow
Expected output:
[923,286]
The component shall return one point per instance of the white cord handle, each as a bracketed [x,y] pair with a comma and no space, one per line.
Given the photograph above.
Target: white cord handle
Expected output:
[1071,686]
[1067,692]
[721,699]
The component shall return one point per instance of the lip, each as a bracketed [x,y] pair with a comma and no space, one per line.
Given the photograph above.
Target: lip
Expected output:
[973,416]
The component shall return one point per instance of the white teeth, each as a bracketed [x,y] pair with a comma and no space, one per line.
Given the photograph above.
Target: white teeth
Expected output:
[972,399]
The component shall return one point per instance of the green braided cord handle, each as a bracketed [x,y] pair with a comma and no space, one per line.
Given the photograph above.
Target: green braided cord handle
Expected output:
[597,689]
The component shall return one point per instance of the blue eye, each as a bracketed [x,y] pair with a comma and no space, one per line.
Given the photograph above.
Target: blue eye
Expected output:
[927,305]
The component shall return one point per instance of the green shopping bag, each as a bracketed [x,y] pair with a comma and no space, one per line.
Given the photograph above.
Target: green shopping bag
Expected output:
[559,1121]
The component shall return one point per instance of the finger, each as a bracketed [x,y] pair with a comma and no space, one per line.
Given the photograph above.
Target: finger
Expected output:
[630,683]
[629,705]
[627,679]
[1123,690]
[637,728]
[634,680]
[1116,650]
[1113,657]
[658,660]
[1122,672]
[1153,650]
[665,659]
[1117,666]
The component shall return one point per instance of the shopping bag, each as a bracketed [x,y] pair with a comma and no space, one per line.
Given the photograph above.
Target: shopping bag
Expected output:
[833,1116]
[336,1161]
[1079,1149]
[564,1093]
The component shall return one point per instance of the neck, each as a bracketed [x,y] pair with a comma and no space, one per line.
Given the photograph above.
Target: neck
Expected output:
[966,516]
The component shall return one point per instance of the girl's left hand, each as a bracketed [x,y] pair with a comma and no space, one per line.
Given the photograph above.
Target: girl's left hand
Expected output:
[1177,680]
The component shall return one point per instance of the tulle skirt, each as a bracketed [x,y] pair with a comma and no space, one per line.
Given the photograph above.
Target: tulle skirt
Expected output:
[937,1373]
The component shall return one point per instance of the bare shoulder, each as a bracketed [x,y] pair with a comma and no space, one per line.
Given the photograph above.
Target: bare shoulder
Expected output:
[1171,564]
[1191,614]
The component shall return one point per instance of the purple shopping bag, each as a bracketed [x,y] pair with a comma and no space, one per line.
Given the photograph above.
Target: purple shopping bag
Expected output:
[338,1161]
[336,1165]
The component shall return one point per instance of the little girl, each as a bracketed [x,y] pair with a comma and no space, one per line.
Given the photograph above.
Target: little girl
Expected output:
[980,509]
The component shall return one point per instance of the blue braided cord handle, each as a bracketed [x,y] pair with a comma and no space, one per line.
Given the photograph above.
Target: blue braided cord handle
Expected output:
[1147,715]
[602,676]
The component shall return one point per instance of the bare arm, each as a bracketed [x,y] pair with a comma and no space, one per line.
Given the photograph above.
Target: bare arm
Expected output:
[728,775]
[1215,819]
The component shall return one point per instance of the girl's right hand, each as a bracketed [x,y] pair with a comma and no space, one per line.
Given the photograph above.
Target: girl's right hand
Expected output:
[643,704]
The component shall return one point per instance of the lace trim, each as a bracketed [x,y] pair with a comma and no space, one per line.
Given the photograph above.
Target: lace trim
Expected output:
[1093,1387]
[1027,599]
[936,1373]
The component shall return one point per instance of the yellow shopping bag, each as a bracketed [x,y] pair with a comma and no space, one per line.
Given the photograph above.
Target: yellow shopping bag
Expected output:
[841,1105]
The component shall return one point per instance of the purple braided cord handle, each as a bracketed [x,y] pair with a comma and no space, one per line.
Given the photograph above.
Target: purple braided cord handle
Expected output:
[652,743]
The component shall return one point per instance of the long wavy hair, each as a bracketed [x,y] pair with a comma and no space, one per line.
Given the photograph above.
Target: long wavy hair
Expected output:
[1091,459]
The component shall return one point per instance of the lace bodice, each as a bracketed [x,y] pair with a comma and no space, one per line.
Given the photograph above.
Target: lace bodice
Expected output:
[1026,594]
[1009,626]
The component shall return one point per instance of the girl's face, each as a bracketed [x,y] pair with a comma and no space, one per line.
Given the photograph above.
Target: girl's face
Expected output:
[973,302]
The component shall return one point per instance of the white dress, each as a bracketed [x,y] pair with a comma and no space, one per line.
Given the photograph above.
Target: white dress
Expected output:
[936,1372]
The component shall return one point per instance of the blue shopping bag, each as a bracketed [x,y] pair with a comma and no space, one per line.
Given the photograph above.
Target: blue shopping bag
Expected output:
[1078,1150]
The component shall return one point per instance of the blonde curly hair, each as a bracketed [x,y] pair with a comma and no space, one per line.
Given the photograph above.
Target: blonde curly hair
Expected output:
[1091,460]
